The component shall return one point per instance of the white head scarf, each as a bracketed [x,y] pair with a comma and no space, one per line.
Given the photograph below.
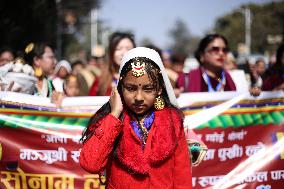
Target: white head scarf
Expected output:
[65,64]
[155,57]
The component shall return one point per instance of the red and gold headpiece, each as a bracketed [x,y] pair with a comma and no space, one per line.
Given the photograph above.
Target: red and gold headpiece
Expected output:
[138,68]
[155,57]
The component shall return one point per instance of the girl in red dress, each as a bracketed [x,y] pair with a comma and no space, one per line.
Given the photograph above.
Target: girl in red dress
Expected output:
[138,137]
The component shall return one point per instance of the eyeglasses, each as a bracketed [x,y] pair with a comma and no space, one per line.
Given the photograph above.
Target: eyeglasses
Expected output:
[216,50]
[49,56]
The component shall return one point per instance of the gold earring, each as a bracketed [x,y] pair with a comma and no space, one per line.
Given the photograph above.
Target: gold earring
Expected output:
[159,103]
[38,72]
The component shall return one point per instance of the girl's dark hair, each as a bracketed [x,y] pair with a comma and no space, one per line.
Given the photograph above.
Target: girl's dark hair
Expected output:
[115,38]
[204,43]
[155,76]
[33,50]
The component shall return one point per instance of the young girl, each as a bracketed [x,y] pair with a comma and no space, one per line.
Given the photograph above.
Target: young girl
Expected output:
[62,71]
[71,86]
[138,135]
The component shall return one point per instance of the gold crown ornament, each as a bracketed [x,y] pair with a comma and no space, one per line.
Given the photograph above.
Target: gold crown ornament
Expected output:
[138,68]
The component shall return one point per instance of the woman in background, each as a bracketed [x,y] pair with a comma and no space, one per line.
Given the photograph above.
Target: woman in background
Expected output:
[119,44]
[211,75]
[41,57]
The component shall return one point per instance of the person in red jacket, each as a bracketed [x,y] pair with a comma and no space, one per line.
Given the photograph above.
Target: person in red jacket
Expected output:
[138,135]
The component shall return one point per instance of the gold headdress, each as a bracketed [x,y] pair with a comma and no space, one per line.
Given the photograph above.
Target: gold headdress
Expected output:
[138,68]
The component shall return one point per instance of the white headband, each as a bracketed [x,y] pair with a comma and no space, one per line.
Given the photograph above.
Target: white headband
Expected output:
[65,64]
[155,57]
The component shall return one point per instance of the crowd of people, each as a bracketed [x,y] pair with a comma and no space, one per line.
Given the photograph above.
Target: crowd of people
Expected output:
[217,70]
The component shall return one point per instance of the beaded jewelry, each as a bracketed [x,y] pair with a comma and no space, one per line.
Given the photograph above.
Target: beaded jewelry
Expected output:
[142,128]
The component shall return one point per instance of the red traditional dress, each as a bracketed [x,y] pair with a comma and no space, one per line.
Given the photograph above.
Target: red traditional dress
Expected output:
[163,163]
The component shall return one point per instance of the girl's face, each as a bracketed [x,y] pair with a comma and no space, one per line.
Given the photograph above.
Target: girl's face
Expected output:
[139,93]
[62,72]
[47,61]
[215,54]
[122,47]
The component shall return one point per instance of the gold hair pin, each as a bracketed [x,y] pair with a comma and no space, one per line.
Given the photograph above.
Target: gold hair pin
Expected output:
[29,48]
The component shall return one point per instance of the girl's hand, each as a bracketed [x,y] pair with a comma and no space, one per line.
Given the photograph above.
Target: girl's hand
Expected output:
[115,103]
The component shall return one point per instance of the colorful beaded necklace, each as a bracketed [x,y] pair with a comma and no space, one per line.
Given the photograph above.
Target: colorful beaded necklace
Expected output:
[141,129]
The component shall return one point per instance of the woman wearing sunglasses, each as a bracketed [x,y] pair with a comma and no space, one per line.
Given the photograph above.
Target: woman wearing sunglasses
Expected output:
[211,75]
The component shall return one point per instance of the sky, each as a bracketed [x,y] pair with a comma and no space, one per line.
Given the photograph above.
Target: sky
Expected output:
[154,19]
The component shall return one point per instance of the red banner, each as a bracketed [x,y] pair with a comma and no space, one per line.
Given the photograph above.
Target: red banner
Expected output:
[34,159]
[245,157]
[39,145]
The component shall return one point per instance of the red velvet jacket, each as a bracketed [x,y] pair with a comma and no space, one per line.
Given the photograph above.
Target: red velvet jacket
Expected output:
[164,163]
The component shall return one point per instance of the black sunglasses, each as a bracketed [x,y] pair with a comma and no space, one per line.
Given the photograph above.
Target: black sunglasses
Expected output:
[216,50]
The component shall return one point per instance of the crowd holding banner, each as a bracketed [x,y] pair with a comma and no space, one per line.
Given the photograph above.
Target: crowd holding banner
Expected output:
[39,143]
